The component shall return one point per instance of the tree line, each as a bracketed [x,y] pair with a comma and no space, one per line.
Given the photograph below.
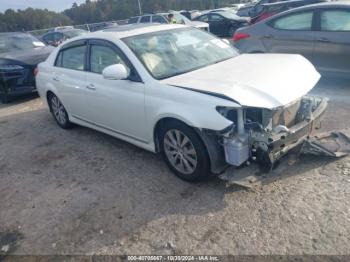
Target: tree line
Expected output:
[96,11]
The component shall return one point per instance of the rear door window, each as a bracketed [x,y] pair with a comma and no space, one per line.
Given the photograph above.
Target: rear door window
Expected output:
[216,18]
[72,58]
[145,19]
[133,20]
[204,18]
[335,20]
[298,21]
[159,19]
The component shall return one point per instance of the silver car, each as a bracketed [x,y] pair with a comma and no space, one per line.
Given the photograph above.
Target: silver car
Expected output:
[319,32]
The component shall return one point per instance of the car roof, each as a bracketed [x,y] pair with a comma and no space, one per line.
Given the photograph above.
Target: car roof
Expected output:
[327,4]
[309,7]
[292,2]
[135,29]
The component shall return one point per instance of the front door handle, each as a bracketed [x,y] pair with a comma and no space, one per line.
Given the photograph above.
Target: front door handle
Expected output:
[91,87]
[267,36]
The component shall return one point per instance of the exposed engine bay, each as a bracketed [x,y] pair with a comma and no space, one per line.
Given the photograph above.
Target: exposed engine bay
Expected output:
[264,135]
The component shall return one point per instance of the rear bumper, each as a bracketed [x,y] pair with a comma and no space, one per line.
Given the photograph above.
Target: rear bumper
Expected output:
[17,85]
[281,144]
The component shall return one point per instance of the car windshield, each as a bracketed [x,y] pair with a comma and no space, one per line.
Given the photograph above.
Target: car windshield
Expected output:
[174,52]
[9,43]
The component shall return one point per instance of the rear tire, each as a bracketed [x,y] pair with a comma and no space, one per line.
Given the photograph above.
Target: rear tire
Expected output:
[59,112]
[184,152]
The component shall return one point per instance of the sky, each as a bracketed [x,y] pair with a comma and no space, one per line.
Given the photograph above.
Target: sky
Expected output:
[55,5]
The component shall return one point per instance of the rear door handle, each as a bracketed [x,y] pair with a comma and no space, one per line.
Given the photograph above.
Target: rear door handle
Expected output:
[56,78]
[324,40]
[267,36]
[91,87]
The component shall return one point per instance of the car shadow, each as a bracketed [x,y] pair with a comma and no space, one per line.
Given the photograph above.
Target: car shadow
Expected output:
[78,183]
[19,99]
[77,190]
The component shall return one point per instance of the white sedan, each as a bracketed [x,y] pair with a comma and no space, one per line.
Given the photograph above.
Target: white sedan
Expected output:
[184,93]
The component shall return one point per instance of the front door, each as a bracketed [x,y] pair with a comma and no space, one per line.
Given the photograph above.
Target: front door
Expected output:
[116,105]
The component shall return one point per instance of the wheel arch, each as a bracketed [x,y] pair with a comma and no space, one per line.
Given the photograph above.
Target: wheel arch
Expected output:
[160,124]
[49,94]
[214,150]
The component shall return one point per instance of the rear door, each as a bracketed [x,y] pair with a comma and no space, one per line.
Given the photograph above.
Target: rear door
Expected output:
[292,33]
[69,78]
[217,24]
[332,49]
[116,105]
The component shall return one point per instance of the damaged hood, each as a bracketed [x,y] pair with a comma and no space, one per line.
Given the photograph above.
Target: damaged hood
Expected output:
[254,80]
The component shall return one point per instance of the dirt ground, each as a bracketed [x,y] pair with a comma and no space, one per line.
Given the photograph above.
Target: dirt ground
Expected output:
[83,192]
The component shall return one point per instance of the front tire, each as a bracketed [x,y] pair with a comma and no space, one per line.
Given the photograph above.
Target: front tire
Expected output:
[184,152]
[59,112]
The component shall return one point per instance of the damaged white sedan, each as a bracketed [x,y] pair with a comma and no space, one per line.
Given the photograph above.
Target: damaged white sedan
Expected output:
[184,93]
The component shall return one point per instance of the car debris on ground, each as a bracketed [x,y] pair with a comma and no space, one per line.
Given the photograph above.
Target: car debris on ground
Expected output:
[334,144]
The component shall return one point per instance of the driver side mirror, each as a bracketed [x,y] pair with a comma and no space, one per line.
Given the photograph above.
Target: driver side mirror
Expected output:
[115,72]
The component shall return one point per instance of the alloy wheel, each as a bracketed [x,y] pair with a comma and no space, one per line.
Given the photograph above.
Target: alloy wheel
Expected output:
[58,110]
[180,151]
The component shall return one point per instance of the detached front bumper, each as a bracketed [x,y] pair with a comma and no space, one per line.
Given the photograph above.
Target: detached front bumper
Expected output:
[281,143]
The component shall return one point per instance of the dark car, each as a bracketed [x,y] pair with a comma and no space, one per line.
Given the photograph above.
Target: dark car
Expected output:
[57,37]
[319,32]
[19,55]
[278,7]
[253,10]
[223,23]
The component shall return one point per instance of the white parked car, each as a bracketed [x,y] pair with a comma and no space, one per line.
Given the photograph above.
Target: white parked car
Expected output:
[184,93]
[162,18]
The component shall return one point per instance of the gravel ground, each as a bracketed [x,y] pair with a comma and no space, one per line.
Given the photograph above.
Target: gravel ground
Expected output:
[83,192]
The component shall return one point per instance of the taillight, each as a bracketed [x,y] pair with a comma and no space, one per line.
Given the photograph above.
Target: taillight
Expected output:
[239,36]
[36,71]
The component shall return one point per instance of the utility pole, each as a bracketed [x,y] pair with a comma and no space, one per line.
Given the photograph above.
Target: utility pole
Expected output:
[140,9]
